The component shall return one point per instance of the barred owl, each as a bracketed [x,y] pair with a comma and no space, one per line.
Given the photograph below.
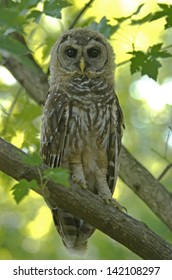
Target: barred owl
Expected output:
[82,123]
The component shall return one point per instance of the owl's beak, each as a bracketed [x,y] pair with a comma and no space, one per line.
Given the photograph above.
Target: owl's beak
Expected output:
[82,65]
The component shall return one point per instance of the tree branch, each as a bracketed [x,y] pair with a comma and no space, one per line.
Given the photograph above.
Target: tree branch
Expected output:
[35,84]
[90,207]
[167,168]
[81,12]
[149,189]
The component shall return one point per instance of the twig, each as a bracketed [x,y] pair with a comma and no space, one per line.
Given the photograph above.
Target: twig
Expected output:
[164,171]
[9,113]
[168,134]
[160,155]
[82,11]
[123,63]
[14,101]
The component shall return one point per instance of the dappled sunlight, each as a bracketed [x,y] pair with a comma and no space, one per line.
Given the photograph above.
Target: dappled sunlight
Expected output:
[18,139]
[40,226]
[5,254]
[10,220]
[31,245]
[6,77]
[117,192]
[156,95]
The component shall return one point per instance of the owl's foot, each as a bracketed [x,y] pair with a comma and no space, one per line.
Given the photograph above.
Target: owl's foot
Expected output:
[111,200]
[79,180]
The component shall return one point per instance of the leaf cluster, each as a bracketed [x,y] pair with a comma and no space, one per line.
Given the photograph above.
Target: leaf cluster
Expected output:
[57,175]
[15,16]
[148,62]
[107,29]
[165,12]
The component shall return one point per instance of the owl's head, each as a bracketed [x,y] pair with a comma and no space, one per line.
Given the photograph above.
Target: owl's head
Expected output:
[81,52]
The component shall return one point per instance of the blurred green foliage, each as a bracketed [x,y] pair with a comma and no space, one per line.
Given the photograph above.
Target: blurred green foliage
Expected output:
[142,40]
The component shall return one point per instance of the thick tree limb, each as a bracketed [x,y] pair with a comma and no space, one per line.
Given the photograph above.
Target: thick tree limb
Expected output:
[33,79]
[35,83]
[141,181]
[83,203]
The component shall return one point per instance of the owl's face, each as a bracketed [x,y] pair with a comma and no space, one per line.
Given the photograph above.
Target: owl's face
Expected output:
[83,52]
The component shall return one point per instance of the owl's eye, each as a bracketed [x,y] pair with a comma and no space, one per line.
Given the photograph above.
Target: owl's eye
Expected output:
[71,52]
[93,52]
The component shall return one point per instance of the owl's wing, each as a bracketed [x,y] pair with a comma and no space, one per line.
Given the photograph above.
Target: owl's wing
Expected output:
[116,128]
[54,128]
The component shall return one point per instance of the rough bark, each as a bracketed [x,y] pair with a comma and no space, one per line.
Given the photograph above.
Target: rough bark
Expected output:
[34,82]
[149,189]
[131,233]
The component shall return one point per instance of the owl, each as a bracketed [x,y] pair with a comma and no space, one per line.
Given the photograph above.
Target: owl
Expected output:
[82,124]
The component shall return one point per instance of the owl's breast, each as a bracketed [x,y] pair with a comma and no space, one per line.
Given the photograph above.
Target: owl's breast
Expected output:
[88,125]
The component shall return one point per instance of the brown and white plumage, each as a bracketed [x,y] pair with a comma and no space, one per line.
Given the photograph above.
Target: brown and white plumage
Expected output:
[82,123]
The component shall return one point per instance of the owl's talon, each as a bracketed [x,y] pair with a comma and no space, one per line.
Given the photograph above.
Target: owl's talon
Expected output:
[111,200]
[83,185]
[80,181]
[118,206]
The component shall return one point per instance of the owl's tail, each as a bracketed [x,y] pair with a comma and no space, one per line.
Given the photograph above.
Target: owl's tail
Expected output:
[73,231]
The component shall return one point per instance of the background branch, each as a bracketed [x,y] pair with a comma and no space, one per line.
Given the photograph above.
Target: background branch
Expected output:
[149,189]
[34,82]
[119,226]
[165,171]
[81,12]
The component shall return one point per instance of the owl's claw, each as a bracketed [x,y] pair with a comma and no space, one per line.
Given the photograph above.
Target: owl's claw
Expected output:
[80,181]
[111,200]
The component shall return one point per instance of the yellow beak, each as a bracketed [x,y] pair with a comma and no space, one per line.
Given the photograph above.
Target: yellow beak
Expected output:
[82,65]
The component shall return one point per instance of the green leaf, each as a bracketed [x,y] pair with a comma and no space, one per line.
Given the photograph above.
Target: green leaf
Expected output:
[150,68]
[142,20]
[104,27]
[122,19]
[137,61]
[21,189]
[10,17]
[164,7]
[58,175]
[28,4]
[35,15]
[32,160]
[12,46]
[166,12]
[168,21]
[28,63]
[157,15]
[138,9]
[147,63]
[53,8]
[156,51]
